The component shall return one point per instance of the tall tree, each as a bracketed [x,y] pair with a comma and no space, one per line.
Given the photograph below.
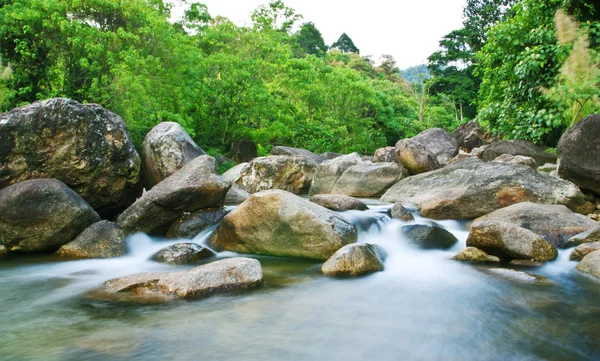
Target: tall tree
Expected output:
[309,40]
[345,45]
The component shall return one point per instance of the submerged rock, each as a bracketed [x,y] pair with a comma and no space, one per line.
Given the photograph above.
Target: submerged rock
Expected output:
[519,147]
[369,179]
[338,202]
[182,253]
[525,263]
[591,235]
[190,225]
[590,264]
[41,215]
[472,254]
[399,212]
[279,223]
[429,236]
[330,171]
[290,173]
[518,276]
[306,154]
[165,150]
[220,276]
[355,260]
[583,250]
[83,145]
[102,239]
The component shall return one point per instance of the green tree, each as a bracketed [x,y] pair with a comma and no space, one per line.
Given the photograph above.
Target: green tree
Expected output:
[309,40]
[345,44]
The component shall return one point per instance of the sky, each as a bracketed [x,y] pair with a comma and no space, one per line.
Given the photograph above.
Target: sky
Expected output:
[408,29]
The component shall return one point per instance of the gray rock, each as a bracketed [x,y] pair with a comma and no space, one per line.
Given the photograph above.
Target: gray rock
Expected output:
[579,154]
[478,152]
[461,155]
[308,155]
[102,239]
[583,250]
[330,155]
[429,236]
[590,264]
[290,173]
[330,171]
[589,236]
[367,158]
[369,180]
[471,135]
[165,150]
[471,188]
[338,202]
[517,159]
[518,276]
[220,276]
[387,155]
[83,145]
[355,260]
[288,226]
[399,212]
[428,150]
[233,174]
[40,215]
[190,225]
[236,195]
[475,255]
[193,187]
[244,150]
[182,253]
[518,147]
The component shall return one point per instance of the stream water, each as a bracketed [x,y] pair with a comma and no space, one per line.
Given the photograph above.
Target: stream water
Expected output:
[423,306]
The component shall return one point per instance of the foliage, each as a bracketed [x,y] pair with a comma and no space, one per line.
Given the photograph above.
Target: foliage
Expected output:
[345,44]
[309,41]
[416,74]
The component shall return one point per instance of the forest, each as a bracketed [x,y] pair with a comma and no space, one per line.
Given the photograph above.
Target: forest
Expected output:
[524,69]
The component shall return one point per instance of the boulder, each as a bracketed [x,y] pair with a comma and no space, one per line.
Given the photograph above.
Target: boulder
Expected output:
[280,223]
[583,250]
[399,212]
[83,145]
[354,260]
[289,151]
[471,135]
[428,150]
[102,239]
[590,264]
[193,187]
[579,154]
[165,150]
[555,224]
[387,155]
[475,255]
[182,253]
[236,195]
[589,236]
[517,159]
[220,276]
[338,202]
[506,240]
[41,215]
[234,173]
[190,225]
[518,147]
[518,276]
[330,171]
[330,155]
[369,179]
[290,173]
[427,236]
[243,150]
[471,188]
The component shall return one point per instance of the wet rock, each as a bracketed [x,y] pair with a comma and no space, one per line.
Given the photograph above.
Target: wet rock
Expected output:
[429,150]
[589,236]
[220,276]
[165,150]
[516,159]
[506,240]
[3,252]
[243,150]
[289,151]
[555,224]
[525,263]
[583,250]
[518,276]
[41,215]
[338,202]
[190,225]
[519,147]
[236,195]
[471,188]
[330,171]
[182,253]
[472,254]
[590,264]
[387,155]
[355,260]
[290,173]
[102,239]
[289,226]
[429,236]
[83,145]
[193,187]
[369,179]
[471,135]
[399,212]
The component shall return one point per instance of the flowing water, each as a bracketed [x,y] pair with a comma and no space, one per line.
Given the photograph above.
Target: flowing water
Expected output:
[423,306]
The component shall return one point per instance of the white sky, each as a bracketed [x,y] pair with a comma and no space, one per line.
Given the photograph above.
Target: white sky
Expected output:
[407,29]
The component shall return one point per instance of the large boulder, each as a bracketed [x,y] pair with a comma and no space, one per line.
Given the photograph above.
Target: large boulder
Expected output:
[590,264]
[193,187]
[220,276]
[427,236]
[589,236]
[338,202]
[369,179]
[41,215]
[387,154]
[355,260]
[554,223]
[190,225]
[290,173]
[307,154]
[471,188]
[428,150]
[182,253]
[330,171]
[279,223]
[102,239]
[509,241]
[83,145]
[579,154]
[243,150]
[518,147]
[166,149]
[471,135]
[583,250]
